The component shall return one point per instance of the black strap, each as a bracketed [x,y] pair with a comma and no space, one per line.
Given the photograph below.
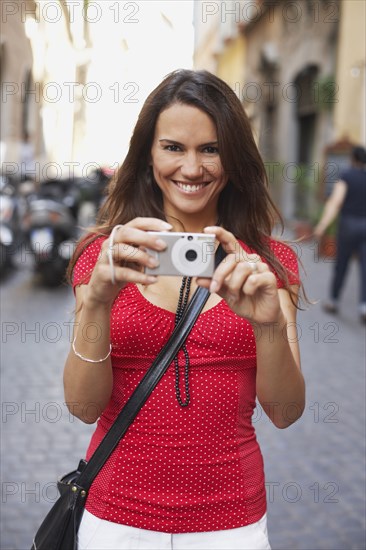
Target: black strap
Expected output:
[147,384]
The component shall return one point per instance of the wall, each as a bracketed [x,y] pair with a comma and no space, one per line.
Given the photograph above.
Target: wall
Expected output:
[350,114]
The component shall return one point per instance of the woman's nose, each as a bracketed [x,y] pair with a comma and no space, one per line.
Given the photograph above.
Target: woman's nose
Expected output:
[192,166]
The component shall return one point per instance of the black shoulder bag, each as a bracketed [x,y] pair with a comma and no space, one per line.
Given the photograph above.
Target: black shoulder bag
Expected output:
[58,530]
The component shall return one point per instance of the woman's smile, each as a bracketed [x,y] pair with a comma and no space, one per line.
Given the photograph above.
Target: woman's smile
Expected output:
[190,188]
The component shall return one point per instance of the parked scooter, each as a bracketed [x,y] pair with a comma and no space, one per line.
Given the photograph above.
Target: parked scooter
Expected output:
[9,224]
[51,229]
[93,193]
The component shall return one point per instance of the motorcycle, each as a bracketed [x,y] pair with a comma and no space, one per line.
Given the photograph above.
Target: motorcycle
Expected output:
[93,193]
[9,224]
[51,228]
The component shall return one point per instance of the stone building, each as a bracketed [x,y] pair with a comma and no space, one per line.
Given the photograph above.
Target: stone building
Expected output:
[298,67]
[291,64]
[350,110]
[75,73]
[20,133]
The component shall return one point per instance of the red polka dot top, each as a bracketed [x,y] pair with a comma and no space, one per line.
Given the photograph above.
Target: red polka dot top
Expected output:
[191,469]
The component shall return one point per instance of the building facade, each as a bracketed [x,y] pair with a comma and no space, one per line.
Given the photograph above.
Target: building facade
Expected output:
[20,132]
[350,110]
[290,95]
[299,69]
[75,74]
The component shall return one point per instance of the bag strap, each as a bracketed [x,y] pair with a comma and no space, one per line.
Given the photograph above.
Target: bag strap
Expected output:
[146,385]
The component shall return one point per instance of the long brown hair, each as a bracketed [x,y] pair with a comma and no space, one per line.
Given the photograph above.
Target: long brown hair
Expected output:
[245,207]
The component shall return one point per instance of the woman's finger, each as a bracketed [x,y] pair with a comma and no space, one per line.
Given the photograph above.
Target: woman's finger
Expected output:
[246,261]
[227,239]
[124,274]
[259,280]
[234,283]
[126,254]
[149,224]
[235,279]
[120,249]
[223,270]
[231,245]
[127,245]
[131,235]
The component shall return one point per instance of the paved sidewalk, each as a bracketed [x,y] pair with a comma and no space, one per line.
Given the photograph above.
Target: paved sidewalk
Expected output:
[314,469]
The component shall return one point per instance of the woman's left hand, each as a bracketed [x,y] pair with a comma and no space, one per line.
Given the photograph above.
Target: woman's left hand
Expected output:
[244,282]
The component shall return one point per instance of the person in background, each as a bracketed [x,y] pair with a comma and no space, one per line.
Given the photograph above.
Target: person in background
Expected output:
[348,199]
[189,472]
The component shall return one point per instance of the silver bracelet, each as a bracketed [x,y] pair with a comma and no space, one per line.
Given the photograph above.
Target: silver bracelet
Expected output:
[90,360]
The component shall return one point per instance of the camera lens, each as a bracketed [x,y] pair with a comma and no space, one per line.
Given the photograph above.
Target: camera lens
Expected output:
[191,255]
[190,238]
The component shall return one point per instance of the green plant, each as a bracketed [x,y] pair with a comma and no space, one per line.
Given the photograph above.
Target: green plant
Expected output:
[304,193]
[325,92]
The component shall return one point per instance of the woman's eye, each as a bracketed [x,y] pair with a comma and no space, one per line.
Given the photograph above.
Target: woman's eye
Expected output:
[211,150]
[172,148]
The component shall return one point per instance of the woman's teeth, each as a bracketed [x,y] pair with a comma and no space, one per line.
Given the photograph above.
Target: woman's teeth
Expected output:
[189,188]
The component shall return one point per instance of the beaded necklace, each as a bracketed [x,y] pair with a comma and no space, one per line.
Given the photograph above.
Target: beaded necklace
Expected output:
[181,307]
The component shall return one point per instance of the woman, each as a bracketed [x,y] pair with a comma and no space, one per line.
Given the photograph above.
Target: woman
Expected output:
[348,198]
[189,472]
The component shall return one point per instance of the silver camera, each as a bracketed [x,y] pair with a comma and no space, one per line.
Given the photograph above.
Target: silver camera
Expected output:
[190,254]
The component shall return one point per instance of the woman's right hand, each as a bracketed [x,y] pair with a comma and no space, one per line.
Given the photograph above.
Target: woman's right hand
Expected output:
[129,260]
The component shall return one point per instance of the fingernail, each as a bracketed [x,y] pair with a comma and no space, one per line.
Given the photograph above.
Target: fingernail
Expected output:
[166,225]
[152,279]
[214,286]
[160,244]
[153,262]
[209,228]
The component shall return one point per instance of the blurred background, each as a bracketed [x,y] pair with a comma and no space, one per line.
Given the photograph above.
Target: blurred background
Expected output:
[74,76]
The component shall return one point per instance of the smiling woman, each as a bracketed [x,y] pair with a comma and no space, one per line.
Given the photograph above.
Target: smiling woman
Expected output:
[189,472]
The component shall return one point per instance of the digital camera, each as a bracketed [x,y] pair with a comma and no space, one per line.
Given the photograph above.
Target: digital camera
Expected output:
[189,254]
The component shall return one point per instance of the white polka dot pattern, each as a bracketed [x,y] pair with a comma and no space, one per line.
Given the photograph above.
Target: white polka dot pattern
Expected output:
[181,469]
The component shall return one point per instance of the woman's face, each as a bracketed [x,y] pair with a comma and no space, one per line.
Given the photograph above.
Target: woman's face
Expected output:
[186,163]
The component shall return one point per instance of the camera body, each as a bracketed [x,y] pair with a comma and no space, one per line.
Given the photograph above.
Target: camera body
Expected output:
[187,254]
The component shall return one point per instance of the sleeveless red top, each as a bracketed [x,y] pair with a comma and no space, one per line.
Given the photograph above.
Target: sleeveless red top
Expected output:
[177,469]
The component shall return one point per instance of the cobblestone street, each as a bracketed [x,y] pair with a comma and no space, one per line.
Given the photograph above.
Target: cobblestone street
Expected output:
[314,469]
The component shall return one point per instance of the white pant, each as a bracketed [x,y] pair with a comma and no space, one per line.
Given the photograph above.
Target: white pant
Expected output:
[98,534]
